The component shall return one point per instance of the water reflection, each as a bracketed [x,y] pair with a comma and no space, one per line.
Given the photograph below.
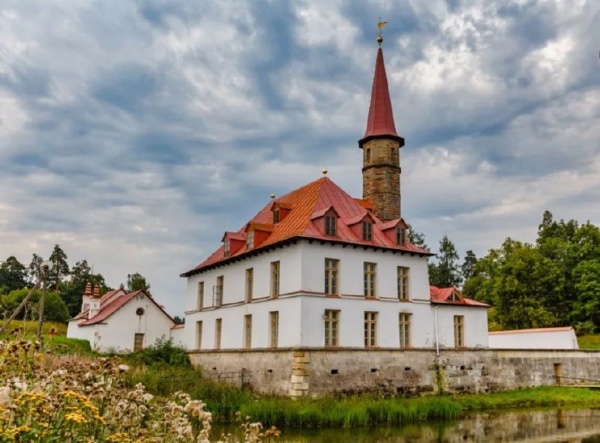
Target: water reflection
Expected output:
[563,426]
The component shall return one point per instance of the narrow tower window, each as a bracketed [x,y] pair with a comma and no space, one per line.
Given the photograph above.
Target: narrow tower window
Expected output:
[330,225]
[367,230]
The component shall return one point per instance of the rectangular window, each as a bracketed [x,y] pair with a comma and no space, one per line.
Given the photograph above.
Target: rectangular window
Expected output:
[274,329]
[370,279]
[400,235]
[367,231]
[138,342]
[226,248]
[403,283]
[198,335]
[249,284]
[330,225]
[459,331]
[405,329]
[276,216]
[332,267]
[218,292]
[218,330]
[249,239]
[247,331]
[200,303]
[370,329]
[274,279]
[332,327]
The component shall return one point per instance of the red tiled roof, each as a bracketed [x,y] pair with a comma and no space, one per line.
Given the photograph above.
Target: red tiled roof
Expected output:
[441,295]
[109,307]
[381,117]
[526,331]
[314,198]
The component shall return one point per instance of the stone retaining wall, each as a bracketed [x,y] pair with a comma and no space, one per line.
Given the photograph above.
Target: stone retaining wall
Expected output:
[299,372]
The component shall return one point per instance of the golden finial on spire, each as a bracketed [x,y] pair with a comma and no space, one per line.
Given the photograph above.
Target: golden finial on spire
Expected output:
[380,26]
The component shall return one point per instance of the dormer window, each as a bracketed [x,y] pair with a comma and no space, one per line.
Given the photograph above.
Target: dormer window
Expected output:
[276,215]
[454,297]
[330,225]
[226,248]
[400,235]
[249,239]
[367,231]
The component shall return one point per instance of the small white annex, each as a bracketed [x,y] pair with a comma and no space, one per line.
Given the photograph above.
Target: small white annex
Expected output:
[120,321]
[540,338]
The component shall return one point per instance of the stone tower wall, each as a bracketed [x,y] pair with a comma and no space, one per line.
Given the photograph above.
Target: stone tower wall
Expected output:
[381,177]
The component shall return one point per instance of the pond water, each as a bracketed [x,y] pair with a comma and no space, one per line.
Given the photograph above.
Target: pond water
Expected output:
[568,426]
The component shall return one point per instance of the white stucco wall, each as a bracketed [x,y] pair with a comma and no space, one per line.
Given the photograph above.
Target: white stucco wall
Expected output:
[534,339]
[301,305]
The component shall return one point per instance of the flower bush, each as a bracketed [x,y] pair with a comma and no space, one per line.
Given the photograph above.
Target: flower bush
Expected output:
[49,399]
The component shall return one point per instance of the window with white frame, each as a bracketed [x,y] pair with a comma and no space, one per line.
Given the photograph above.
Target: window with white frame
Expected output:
[274,329]
[248,331]
[200,299]
[459,331]
[218,330]
[367,230]
[331,225]
[403,283]
[332,267]
[249,284]
[370,329]
[405,329]
[275,277]
[198,335]
[370,279]
[332,327]
[218,292]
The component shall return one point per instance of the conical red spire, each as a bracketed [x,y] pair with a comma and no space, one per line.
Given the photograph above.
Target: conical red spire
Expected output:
[381,116]
[88,289]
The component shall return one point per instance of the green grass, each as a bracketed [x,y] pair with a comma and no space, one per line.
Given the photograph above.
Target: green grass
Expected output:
[27,328]
[56,343]
[589,342]
[223,400]
[369,410]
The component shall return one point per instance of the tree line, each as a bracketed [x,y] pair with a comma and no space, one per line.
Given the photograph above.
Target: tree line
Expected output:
[552,282]
[64,285]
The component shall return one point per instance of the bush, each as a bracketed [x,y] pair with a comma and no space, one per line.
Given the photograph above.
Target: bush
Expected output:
[162,353]
[55,308]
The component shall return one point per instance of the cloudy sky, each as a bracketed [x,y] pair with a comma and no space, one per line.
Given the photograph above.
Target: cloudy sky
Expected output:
[134,133]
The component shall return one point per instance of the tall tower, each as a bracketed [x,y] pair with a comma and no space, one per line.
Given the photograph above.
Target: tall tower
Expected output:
[381,147]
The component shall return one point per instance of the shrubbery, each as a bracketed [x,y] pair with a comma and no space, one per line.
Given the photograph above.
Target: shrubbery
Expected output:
[162,353]
[48,399]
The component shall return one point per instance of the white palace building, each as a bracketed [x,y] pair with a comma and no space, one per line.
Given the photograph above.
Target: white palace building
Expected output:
[317,268]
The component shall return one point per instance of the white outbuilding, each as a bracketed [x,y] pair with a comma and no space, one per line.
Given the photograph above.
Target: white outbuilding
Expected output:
[539,338]
[120,321]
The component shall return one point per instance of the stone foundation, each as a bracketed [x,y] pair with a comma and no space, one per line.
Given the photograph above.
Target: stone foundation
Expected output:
[300,372]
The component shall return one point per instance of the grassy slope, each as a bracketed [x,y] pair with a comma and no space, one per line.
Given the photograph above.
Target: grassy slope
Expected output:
[589,342]
[57,343]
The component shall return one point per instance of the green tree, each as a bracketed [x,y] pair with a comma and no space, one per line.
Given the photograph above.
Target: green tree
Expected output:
[72,290]
[13,275]
[445,272]
[586,309]
[137,281]
[60,267]
[34,270]
[54,307]
[468,266]
[417,238]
